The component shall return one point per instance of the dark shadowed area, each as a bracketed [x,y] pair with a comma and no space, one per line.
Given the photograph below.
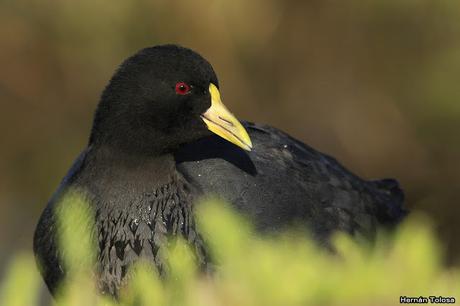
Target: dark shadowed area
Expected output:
[373,83]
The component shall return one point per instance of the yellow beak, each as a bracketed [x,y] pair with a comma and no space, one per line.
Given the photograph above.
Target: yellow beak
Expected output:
[223,123]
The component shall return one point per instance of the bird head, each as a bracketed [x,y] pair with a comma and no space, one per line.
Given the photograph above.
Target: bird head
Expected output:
[163,97]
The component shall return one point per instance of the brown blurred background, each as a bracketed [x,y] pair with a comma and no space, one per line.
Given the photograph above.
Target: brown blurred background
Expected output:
[374,83]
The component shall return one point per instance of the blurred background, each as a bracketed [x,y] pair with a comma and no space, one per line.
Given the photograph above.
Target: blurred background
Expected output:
[374,83]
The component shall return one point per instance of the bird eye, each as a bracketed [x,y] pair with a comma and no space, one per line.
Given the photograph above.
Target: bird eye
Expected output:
[182,88]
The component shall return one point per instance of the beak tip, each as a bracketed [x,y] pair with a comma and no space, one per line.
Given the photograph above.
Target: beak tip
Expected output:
[249,146]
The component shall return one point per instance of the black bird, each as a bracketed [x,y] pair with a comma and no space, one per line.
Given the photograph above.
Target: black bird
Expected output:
[155,147]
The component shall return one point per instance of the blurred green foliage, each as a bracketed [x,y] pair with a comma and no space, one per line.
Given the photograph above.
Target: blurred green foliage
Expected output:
[75,224]
[286,269]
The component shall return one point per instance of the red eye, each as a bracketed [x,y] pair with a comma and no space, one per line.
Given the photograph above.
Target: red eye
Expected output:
[182,88]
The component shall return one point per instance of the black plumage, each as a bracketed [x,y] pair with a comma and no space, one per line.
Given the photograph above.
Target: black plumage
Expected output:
[153,151]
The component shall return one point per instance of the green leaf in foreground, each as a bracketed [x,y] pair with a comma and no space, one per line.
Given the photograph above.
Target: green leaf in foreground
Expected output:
[21,283]
[283,269]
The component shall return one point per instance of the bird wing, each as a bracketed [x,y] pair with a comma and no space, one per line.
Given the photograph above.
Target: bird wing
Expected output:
[283,181]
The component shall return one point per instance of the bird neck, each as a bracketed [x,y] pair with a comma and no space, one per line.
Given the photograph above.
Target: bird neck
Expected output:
[140,145]
[133,169]
[137,134]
